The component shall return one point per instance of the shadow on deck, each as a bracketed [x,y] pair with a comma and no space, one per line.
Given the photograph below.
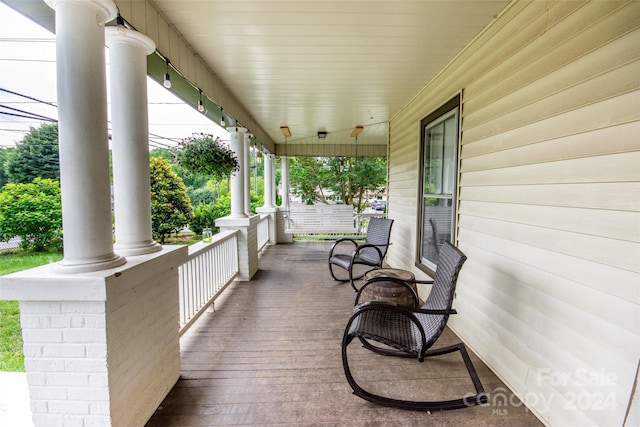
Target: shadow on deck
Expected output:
[270,355]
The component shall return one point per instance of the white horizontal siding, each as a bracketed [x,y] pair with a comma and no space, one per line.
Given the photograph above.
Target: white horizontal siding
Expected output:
[549,202]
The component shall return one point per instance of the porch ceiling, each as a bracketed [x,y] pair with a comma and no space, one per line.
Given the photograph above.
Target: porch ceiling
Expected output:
[327,65]
[320,65]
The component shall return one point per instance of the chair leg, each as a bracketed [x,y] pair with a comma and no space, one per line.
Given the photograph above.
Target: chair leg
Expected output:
[334,276]
[353,279]
[425,406]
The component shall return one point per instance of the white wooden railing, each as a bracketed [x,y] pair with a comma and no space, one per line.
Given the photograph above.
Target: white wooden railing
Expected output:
[207,272]
[263,231]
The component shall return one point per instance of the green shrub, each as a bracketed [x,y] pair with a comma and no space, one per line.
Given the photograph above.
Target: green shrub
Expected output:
[32,211]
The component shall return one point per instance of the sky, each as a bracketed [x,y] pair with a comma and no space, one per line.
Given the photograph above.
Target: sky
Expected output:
[27,67]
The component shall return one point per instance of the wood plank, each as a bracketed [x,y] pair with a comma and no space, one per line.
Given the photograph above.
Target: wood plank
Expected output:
[270,355]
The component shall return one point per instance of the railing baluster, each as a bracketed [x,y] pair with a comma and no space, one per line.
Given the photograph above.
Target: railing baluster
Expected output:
[208,270]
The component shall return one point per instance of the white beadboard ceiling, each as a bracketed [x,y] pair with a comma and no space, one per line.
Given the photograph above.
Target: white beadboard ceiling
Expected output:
[329,66]
[316,65]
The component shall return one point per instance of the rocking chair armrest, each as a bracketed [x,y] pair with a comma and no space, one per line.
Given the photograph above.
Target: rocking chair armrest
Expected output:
[381,305]
[367,246]
[401,282]
[431,311]
[340,241]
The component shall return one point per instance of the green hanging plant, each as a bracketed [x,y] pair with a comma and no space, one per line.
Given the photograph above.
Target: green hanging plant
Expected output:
[205,154]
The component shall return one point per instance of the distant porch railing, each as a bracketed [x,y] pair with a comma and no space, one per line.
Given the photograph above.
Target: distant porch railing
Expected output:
[207,272]
[263,232]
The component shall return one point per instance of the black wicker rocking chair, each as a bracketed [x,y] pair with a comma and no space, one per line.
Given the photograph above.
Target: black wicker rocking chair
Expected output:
[369,254]
[410,332]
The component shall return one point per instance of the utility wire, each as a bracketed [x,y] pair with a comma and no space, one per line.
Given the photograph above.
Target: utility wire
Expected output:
[28,117]
[27,112]
[27,96]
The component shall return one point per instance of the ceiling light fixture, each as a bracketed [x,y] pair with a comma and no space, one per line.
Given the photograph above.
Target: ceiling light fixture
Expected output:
[322,135]
[222,122]
[200,103]
[356,131]
[285,131]
[167,78]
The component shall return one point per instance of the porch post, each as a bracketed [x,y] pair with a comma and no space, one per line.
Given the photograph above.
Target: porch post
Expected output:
[268,181]
[84,152]
[247,225]
[285,183]
[247,173]
[128,69]
[284,208]
[268,207]
[236,143]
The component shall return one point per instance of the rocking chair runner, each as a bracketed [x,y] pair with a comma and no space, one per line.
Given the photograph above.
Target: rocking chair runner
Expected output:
[371,253]
[410,332]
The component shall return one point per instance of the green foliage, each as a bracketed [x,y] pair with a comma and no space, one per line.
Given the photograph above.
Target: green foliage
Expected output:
[358,176]
[205,215]
[348,178]
[309,176]
[11,357]
[203,154]
[170,206]
[256,202]
[191,181]
[32,211]
[201,196]
[5,153]
[35,156]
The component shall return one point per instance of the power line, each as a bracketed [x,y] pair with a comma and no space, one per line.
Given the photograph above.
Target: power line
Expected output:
[27,117]
[34,115]
[27,96]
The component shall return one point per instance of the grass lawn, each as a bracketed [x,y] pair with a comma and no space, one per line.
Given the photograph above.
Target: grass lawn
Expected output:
[11,358]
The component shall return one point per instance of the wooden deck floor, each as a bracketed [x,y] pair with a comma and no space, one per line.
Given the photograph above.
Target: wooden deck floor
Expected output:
[270,355]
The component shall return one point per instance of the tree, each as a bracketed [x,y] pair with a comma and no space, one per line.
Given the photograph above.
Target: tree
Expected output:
[5,153]
[170,206]
[357,177]
[32,211]
[35,156]
[347,179]
[309,177]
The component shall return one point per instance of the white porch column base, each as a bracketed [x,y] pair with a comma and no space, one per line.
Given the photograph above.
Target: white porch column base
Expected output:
[273,229]
[281,223]
[101,348]
[247,243]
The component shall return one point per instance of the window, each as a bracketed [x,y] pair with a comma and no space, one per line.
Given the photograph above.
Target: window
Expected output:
[439,160]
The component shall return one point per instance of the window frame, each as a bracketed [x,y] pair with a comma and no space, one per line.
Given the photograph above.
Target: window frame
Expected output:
[445,109]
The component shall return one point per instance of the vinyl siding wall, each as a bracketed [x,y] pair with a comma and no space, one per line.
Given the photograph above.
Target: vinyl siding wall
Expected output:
[549,203]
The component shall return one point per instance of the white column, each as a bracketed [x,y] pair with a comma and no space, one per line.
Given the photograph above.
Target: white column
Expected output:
[236,143]
[268,181]
[84,152]
[128,50]
[285,183]
[247,173]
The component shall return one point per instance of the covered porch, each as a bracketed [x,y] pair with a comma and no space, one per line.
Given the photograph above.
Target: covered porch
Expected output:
[544,201]
[270,355]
